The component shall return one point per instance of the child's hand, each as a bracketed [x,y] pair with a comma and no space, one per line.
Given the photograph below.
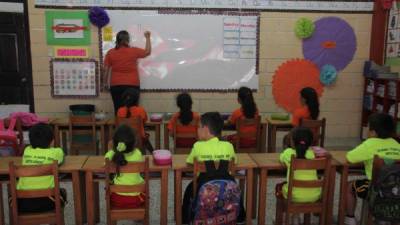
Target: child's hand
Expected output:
[147,34]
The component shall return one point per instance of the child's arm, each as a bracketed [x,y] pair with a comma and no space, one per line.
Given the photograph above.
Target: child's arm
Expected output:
[192,154]
[286,156]
[359,154]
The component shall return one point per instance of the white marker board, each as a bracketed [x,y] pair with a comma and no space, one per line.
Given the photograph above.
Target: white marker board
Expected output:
[191,51]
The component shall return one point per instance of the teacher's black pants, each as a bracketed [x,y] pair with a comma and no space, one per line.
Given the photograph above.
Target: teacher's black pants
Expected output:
[116,94]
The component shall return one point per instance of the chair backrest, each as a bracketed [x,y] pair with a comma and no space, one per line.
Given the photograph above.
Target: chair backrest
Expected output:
[82,125]
[132,167]
[188,137]
[321,164]
[318,129]
[134,122]
[200,167]
[250,134]
[34,171]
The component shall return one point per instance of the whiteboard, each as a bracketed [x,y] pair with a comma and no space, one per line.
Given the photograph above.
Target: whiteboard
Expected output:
[191,51]
[333,5]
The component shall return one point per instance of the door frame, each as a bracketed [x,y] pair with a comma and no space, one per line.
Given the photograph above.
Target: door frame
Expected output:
[28,50]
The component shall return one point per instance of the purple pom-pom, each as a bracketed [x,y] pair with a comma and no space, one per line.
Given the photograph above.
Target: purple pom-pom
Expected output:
[98,16]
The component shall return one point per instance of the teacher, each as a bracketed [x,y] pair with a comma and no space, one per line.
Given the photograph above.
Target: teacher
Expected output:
[120,66]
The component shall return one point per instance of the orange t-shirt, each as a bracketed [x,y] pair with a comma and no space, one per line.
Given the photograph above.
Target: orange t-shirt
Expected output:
[182,129]
[238,114]
[300,113]
[134,111]
[123,63]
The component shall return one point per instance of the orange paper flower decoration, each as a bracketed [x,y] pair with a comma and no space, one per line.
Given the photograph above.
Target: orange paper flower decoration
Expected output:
[290,78]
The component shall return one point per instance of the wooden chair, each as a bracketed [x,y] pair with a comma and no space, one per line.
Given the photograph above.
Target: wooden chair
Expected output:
[366,215]
[52,217]
[253,135]
[319,207]
[82,126]
[136,123]
[115,214]
[318,129]
[184,136]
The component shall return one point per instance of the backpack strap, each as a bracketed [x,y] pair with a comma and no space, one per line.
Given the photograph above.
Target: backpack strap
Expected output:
[223,166]
[210,166]
[11,126]
[2,124]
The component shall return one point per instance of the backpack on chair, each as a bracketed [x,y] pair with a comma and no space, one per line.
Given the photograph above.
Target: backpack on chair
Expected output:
[217,200]
[384,194]
[8,138]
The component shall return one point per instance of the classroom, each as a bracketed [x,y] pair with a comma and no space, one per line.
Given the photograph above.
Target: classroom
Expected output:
[200,112]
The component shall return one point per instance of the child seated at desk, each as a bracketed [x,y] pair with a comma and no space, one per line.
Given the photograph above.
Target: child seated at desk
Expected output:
[185,116]
[309,108]
[131,108]
[301,140]
[209,147]
[248,110]
[380,142]
[40,153]
[122,152]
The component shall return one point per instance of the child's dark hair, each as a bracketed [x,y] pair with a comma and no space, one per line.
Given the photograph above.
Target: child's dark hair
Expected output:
[246,99]
[41,135]
[213,121]
[130,98]
[124,141]
[122,39]
[302,138]
[383,125]
[184,102]
[311,99]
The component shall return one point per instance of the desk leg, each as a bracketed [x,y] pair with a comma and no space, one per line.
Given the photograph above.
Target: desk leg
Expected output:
[255,186]
[164,197]
[166,137]
[331,195]
[102,140]
[262,196]
[1,205]
[273,139]
[79,197]
[343,189]
[89,198]
[56,136]
[263,138]
[249,196]
[158,136]
[178,197]
[269,138]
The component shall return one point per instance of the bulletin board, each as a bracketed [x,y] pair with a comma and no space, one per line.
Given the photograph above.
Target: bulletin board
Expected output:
[393,37]
[74,78]
[191,51]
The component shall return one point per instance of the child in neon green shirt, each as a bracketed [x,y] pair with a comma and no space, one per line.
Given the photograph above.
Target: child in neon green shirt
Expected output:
[39,153]
[301,139]
[124,151]
[380,143]
[209,147]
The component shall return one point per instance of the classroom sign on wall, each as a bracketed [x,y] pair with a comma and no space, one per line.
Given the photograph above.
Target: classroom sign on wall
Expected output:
[67,28]
[74,78]
[71,52]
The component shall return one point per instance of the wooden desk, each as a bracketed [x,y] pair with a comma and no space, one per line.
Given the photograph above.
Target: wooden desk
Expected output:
[179,165]
[95,164]
[270,162]
[71,165]
[273,127]
[149,125]
[343,169]
[227,127]
[63,124]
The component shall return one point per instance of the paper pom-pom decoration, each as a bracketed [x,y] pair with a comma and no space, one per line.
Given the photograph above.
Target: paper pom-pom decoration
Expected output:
[333,42]
[328,75]
[98,16]
[290,78]
[304,28]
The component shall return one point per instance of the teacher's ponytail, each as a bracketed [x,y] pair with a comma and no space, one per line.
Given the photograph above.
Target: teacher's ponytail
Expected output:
[122,39]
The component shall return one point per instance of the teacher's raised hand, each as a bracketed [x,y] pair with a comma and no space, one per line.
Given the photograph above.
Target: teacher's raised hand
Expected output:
[147,34]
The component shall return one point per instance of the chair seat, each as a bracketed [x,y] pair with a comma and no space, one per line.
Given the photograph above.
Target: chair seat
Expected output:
[130,213]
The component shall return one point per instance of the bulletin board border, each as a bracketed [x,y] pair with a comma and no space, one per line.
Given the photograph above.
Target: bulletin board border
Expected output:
[74,60]
[191,12]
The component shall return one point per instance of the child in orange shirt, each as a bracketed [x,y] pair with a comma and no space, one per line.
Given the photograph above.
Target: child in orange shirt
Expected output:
[131,108]
[247,110]
[185,116]
[310,106]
